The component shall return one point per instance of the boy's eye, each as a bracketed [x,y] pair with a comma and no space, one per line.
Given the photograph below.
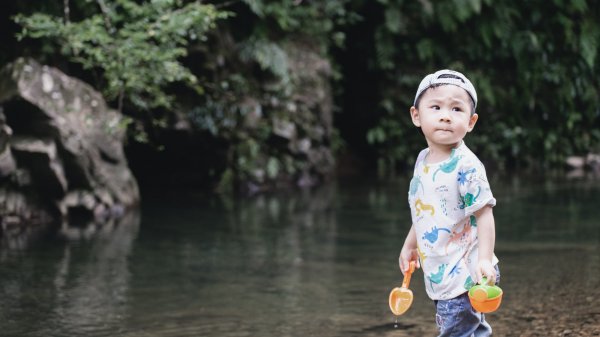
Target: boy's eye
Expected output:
[456,109]
[435,107]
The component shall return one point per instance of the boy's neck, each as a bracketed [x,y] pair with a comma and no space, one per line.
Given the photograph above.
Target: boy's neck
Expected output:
[438,153]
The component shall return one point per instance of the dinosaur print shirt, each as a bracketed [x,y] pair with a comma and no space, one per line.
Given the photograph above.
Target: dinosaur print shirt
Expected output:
[443,198]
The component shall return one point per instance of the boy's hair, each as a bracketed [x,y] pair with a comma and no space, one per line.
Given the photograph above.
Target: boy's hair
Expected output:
[446,77]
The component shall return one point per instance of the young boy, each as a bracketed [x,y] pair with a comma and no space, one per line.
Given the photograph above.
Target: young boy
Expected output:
[452,236]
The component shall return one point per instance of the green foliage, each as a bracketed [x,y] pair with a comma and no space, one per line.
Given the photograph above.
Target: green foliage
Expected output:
[137,47]
[321,20]
[269,56]
[534,64]
[263,84]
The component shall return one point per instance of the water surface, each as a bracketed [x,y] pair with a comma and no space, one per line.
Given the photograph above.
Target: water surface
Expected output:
[304,263]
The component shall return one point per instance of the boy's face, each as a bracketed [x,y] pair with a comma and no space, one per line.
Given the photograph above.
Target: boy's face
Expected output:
[444,115]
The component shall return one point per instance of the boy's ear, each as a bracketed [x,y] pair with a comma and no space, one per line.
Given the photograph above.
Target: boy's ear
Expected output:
[472,122]
[414,115]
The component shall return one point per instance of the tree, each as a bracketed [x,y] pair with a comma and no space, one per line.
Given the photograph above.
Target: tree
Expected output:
[534,64]
[135,46]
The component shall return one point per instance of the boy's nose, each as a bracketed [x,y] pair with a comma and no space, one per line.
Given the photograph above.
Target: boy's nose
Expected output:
[444,116]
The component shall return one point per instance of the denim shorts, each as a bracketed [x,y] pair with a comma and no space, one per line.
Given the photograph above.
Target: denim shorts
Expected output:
[457,318]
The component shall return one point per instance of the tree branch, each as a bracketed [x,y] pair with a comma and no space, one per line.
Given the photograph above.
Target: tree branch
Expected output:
[67,11]
[225,4]
[105,13]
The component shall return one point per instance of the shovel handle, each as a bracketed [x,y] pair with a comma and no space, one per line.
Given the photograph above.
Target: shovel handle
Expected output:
[406,280]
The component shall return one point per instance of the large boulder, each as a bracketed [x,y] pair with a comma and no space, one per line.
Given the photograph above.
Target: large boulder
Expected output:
[61,148]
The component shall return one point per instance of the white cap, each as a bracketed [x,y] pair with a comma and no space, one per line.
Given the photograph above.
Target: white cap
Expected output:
[447,77]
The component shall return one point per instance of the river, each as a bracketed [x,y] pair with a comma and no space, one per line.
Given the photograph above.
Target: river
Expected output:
[315,262]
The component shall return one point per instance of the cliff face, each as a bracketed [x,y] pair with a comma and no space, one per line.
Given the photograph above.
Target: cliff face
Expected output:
[61,149]
[273,112]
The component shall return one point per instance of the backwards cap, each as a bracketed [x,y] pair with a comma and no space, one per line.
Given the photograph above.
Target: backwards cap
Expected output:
[447,77]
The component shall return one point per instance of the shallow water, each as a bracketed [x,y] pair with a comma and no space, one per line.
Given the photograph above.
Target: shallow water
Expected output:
[307,263]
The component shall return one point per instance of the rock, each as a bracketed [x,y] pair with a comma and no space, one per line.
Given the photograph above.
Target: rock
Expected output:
[312,111]
[301,146]
[284,129]
[575,162]
[322,160]
[591,160]
[251,112]
[7,162]
[40,156]
[61,146]
[285,112]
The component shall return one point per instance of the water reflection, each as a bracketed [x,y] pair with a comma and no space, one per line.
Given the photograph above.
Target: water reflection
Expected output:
[547,209]
[314,262]
[235,265]
[63,287]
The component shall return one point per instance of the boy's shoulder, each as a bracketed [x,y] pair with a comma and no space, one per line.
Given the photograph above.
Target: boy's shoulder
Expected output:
[421,156]
[468,158]
[465,152]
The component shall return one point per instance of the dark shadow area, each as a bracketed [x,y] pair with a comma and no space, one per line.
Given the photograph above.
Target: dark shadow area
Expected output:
[358,109]
[184,160]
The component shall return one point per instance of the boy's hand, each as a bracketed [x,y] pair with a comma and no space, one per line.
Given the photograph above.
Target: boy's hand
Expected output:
[486,269]
[407,255]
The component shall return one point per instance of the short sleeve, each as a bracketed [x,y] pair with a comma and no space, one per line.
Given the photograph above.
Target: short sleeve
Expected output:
[473,185]
[421,157]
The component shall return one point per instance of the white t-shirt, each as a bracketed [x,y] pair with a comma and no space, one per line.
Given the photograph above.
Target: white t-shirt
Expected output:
[443,198]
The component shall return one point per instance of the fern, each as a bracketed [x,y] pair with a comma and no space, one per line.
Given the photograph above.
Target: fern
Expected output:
[269,56]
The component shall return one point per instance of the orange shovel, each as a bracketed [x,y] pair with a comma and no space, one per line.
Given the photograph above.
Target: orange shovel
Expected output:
[401,298]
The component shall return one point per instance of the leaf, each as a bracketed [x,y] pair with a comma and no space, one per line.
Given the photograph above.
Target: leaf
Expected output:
[588,42]
[273,167]
[138,50]
[393,20]
[268,55]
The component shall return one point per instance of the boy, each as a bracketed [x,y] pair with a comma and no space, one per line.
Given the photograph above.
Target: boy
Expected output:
[453,233]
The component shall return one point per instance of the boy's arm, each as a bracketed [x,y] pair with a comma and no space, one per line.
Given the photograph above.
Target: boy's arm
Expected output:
[486,233]
[409,251]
